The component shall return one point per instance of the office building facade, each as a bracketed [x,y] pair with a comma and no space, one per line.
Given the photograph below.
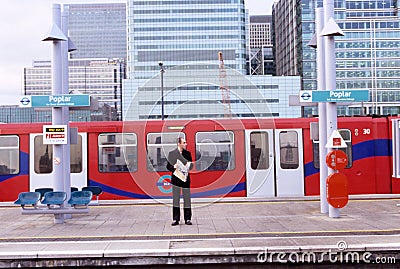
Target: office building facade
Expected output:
[261,60]
[179,32]
[187,37]
[98,30]
[366,56]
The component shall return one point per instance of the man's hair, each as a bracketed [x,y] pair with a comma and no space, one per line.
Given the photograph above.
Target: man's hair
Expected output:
[179,140]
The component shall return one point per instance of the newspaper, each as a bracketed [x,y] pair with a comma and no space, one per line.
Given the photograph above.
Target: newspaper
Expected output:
[181,170]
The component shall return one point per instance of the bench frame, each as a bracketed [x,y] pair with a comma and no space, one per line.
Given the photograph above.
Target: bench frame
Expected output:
[55,211]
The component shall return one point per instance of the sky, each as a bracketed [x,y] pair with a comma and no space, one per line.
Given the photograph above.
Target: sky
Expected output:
[24,23]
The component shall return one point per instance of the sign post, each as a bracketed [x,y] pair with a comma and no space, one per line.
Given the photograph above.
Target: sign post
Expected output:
[331,29]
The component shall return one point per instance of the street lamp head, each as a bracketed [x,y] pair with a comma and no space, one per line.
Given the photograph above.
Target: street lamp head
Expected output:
[160,63]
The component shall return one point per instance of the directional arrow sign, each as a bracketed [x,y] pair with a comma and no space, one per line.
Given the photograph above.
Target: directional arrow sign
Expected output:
[55,100]
[334,96]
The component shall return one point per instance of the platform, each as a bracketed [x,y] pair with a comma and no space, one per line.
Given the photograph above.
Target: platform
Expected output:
[224,231]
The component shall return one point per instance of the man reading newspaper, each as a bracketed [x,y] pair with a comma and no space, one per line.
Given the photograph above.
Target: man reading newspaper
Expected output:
[181,170]
[179,163]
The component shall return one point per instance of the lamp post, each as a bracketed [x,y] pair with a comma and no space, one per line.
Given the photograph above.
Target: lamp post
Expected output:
[161,64]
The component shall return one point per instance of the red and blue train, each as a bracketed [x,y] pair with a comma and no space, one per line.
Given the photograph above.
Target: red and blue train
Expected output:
[232,157]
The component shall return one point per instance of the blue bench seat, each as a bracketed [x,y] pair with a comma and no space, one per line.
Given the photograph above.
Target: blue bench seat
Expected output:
[96,191]
[42,191]
[54,198]
[55,202]
[28,198]
[80,198]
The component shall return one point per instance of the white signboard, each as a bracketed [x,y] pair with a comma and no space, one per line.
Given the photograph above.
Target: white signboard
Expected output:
[55,134]
[336,141]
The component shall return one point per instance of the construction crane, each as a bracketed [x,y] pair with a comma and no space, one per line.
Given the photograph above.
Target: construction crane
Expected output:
[226,100]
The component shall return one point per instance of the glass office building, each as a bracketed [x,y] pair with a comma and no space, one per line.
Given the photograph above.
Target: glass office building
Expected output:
[187,37]
[294,26]
[178,32]
[367,56]
[98,30]
[261,60]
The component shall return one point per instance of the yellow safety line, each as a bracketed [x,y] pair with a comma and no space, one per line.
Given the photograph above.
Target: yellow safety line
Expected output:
[110,237]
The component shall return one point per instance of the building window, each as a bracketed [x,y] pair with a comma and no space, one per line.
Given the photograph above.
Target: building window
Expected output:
[215,151]
[158,147]
[117,152]
[9,155]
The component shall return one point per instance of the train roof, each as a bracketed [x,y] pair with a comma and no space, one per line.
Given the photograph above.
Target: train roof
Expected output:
[181,124]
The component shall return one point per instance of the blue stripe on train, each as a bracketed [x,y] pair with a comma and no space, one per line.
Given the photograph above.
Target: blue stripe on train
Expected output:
[220,191]
[24,161]
[363,150]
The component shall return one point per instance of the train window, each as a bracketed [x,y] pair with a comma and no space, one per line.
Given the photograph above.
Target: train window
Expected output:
[346,135]
[9,155]
[215,151]
[43,156]
[158,147]
[289,149]
[259,150]
[76,156]
[117,152]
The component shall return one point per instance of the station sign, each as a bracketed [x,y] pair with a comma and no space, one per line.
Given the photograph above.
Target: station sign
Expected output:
[70,100]
[55,134]
[334,96]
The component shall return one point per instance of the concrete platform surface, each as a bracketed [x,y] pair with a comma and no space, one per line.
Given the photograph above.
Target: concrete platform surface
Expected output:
[241,231]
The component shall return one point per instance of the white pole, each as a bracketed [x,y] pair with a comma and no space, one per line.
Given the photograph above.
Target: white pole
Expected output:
[65,110]
[58,174]
[323,169]
[330,66]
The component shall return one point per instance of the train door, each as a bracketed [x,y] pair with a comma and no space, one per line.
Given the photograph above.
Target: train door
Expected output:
[260,172]
[289,162]
[41,163]
[274,163]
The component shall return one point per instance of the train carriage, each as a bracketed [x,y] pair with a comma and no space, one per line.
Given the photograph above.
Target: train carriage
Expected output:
[232,157]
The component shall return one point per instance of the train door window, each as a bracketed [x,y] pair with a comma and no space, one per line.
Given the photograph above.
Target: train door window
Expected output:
[215,151]
[9,155]
[76,156]
[117,152]
[43,156]
[289,149]
[259,149]
[158,147]
[346,135]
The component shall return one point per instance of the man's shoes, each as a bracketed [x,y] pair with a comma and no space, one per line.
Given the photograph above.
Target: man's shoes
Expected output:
[175,222]
[188,222]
